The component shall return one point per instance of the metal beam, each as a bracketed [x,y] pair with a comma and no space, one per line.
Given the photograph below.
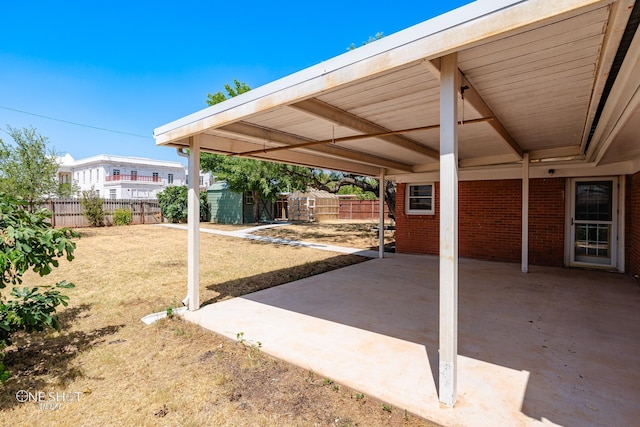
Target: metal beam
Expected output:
[227,145]
[292,141]
[473,98]
[335,115]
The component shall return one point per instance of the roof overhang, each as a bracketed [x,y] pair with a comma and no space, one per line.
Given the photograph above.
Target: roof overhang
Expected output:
[533,76]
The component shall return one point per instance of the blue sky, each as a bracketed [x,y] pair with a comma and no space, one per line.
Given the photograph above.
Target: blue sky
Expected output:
[131,66]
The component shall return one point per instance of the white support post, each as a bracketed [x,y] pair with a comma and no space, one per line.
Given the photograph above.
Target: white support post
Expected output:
[525,213]
[449,92]
[381,227]
[193,225]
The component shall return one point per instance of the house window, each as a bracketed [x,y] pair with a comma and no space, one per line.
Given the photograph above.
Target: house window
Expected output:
[116,172]
[201,180]
[419,199]
[170,178]
[134,175]
[155,177]
[112,193]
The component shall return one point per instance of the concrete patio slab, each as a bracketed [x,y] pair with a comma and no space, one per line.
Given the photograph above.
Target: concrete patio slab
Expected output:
[552,347]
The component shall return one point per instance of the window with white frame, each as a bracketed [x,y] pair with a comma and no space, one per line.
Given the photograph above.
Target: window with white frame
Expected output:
[112,193]
[419,199]
[170,178]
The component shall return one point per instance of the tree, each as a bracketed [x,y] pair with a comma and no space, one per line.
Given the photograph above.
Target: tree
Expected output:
[334,182]
[372,39]
[29,242]
[263,180]
[174,203]
[93,209]
[238,89]
[29,168]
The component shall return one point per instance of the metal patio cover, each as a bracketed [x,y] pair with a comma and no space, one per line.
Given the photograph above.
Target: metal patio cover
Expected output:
[533,74]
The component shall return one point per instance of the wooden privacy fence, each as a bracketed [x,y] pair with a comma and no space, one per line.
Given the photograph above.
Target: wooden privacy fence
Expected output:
[312,205]
[69,212]
[361,209]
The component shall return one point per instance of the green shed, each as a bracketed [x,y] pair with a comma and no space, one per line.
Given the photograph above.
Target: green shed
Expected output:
[227,207]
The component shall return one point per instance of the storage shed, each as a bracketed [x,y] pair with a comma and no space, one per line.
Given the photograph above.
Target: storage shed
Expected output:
[313,205]
[228,207]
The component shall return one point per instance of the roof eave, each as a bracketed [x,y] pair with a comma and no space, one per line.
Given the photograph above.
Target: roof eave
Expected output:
[474,23]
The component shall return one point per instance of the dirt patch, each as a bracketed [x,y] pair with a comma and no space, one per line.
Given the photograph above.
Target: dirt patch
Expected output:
[354,235]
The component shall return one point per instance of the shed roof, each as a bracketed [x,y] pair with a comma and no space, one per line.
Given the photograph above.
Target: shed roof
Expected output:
[534,79]
[218,186]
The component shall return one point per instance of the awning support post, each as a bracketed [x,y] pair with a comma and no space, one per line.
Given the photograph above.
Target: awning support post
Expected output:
[381,226]
[449,92]
[193,225]
[525,213]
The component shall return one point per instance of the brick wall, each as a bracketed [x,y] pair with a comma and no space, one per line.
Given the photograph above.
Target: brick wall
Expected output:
[490,222]
[546,221]
[417,234]
[632,210]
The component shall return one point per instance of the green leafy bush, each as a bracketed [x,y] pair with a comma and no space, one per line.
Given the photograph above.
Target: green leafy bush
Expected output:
[174,204]
[122,216]
[27,241]
[93,210]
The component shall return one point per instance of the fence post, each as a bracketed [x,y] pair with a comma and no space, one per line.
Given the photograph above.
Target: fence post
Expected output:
[52,208]
[141,212]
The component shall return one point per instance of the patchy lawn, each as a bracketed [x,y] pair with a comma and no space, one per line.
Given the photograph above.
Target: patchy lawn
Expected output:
[349,234]
[108,368]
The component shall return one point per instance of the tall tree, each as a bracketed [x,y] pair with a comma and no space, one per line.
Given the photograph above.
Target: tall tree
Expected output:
[263,180]
[372,39]
[29,168]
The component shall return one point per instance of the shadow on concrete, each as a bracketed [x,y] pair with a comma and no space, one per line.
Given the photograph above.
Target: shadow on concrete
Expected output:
[576,332]
[247,285]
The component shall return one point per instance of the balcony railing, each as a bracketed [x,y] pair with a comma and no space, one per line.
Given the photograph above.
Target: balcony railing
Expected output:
[142,178]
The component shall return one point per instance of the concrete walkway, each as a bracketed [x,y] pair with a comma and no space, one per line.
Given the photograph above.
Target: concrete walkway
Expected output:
[552,347]
[246,233]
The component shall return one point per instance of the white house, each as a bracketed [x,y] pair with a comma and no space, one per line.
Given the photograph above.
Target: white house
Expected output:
[120,177]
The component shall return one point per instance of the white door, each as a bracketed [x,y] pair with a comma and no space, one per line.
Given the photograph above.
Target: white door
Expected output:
[593,222]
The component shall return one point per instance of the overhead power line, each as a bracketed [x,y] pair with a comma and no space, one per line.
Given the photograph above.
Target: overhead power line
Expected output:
[76,123]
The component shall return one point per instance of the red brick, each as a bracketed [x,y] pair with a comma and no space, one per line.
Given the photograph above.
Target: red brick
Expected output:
[490,222]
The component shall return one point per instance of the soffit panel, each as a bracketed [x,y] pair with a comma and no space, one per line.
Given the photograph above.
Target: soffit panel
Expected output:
[540,82]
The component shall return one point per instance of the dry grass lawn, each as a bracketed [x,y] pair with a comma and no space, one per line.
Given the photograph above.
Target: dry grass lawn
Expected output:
[118,371]
[341,233]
